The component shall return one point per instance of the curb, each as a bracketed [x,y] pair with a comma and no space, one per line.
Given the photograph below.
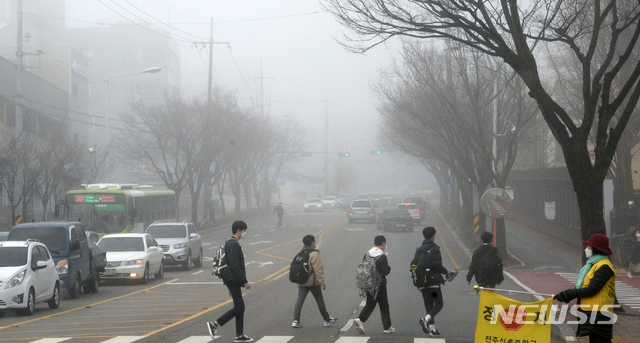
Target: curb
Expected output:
[559,332]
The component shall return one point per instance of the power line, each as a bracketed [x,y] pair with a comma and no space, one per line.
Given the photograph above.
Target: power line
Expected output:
[160,21]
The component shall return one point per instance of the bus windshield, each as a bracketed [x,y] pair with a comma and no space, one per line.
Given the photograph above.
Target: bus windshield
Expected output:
[102,213]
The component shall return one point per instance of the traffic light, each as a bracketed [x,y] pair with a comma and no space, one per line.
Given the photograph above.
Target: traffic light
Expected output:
[343,154]
[374,152]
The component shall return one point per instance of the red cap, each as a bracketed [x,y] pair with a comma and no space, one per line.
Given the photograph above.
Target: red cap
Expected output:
[600,242]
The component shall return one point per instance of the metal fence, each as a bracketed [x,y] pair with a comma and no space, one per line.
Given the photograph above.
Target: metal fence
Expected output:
[533,188]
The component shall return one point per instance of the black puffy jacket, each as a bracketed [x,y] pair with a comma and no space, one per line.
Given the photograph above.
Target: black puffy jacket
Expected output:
[235,259]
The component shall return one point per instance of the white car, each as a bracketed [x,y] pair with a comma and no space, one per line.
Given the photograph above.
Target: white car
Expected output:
[27,276]
[313,204]
[132,256]
[330,201]
[413,211]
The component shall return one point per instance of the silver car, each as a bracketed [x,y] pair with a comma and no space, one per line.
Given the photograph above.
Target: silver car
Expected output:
[181,243]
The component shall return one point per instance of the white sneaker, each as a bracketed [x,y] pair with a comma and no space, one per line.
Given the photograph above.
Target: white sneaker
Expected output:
[296,324]
[432,331]
[629,275]
[331,321]
[357,323]
[390,330]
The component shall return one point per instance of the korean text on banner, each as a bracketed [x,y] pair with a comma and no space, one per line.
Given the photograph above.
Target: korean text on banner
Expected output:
[501,319]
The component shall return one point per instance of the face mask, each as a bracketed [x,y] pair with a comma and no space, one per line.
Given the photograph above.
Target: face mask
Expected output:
[588,252]
[630,203]
[637,235]
[244,235]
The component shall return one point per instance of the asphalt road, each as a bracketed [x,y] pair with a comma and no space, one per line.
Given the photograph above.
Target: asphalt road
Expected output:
[176,308]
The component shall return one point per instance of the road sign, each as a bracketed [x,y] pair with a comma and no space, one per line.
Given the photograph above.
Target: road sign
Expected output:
[495,203]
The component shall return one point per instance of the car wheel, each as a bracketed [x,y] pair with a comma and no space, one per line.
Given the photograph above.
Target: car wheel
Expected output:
[187,262]
[74,292]
[93,284]
[160,274]
[55,299]
[31,304]
[145,276]
[199,261]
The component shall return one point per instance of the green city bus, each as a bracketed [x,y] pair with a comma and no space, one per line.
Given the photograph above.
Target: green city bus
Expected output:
[116,208]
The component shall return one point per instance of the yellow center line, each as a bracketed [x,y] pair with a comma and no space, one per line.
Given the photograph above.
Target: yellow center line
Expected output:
[444,245]
[189,318]
[78,308]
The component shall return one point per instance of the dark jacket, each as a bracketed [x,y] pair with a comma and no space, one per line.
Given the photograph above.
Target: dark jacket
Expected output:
[382,264]
[235,259]
[435,261]
[476,259]
[279,210]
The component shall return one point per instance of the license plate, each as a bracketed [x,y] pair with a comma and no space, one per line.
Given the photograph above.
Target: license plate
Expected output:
[400,225]
[361,211]
[108,272]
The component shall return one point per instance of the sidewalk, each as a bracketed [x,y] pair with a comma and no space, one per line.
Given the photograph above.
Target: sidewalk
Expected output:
[627,326]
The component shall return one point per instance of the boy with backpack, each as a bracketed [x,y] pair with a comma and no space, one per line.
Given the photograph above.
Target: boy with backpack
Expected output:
[486,264]
[427,271]
[308,272]
[372,272]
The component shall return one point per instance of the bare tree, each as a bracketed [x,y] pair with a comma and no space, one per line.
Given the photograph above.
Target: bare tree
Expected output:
[511,31]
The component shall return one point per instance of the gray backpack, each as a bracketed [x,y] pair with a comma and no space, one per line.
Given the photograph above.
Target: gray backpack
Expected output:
[368,278]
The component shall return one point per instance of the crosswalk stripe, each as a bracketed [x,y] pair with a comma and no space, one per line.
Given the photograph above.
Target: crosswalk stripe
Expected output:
[350,339]
[428,340]
[626,294]
[196,339]
[275,339]
[123,339]
[52,340]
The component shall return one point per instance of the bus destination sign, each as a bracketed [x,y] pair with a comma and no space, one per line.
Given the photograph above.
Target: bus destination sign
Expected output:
[95,199]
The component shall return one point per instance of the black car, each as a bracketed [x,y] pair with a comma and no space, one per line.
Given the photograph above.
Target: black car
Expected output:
[398,219]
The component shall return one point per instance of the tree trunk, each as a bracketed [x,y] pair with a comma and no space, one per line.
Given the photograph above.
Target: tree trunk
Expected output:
[194,208]
[623,180]
[589,192]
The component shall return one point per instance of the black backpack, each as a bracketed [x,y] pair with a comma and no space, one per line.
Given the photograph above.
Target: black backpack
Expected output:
[220,266]
[491,268]
[299,270]
[421,273]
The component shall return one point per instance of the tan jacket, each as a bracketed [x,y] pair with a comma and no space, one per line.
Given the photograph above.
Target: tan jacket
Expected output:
[316,271]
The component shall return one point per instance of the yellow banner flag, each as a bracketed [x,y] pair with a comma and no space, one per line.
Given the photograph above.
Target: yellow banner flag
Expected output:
[504,320]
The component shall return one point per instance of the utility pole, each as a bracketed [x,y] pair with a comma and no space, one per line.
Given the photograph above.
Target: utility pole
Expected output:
[326,147]
[209,213]
[19,69]
[266,198]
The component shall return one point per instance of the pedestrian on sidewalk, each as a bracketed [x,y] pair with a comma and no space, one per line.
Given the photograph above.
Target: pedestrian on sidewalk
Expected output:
[486,264]
[234,279]
[635,254]
[314,284]
[595,291]
[380,295]
[279,210]
[430,260]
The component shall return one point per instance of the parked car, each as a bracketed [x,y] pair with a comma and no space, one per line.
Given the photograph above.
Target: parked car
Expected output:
[132,256]
[329,202]
[313,205]
[180,242]
[79,267]
[3,235]
[423,206]
[344,200]
[413,211]
[361,210]
[27,276]
[393,218]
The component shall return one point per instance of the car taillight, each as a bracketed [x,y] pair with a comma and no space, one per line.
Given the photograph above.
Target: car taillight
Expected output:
[350,209]
[416,211]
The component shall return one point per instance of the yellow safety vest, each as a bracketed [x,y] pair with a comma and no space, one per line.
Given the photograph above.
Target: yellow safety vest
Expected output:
[606,295]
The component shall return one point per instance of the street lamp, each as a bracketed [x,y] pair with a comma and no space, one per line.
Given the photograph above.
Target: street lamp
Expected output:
[152,70]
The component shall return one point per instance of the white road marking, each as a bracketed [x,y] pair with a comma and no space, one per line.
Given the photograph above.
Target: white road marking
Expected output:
[272,230]
[256,235]
[352,339]
[195,283]
[349,323]
[275,339]
[212,248]
[261,264]
[260,242]
[196,339]
[124,339]
[208,243]
[52,340]
[354,229]
[198,272]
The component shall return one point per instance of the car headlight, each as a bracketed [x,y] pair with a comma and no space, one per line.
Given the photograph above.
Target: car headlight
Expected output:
[180,246]
[133,262]
[62,267]
[16,280]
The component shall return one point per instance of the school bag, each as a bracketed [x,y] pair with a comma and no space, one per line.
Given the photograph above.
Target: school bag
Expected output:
[220,265]
[368,277]
[421,273]
[491,268]
[299,269]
